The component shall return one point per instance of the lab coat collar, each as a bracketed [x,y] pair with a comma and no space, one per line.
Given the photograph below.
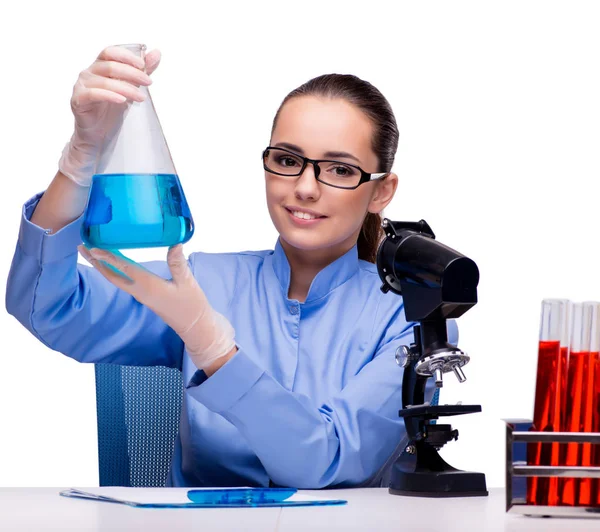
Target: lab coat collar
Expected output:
[328,279]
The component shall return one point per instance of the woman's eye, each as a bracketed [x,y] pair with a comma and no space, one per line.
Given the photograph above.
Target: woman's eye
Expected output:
[287,161]
[342,171]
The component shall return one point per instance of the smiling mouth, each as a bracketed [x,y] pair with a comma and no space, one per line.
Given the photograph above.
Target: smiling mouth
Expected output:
[304,215]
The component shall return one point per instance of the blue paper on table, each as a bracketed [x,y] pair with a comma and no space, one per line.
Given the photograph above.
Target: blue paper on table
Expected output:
[201,497]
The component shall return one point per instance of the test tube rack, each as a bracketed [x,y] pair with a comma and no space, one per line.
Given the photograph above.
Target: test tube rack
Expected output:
[517,470]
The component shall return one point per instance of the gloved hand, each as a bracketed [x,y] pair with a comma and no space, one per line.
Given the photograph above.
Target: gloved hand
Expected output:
[98,101]
[180,302]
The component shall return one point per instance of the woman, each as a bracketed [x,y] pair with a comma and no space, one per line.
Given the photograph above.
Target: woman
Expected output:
[287,354]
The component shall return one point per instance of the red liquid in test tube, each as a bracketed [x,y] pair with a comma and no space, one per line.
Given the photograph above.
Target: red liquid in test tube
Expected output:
[580,402]
[596,424]
[595,411]
[588,488]
[550,398]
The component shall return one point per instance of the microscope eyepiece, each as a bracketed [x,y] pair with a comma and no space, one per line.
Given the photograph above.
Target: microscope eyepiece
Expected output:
[435,281]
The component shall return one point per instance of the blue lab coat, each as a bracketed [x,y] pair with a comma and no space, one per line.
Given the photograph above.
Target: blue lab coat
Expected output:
[311,398]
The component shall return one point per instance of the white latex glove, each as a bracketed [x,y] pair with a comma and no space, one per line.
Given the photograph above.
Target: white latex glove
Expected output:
[99,100]
[180,302]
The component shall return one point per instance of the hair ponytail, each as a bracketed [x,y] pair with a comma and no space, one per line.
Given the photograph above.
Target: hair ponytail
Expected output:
[370,237]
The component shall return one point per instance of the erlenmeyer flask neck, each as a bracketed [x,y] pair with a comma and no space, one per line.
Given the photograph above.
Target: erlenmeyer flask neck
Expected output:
[137,48]
[135,143]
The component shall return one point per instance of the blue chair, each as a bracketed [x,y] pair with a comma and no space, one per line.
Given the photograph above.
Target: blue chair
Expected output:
[138,411]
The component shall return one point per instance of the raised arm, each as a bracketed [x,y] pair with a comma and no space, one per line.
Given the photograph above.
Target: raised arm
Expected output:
[72,309]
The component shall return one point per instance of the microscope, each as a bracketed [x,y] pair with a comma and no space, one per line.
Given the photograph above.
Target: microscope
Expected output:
[437,284]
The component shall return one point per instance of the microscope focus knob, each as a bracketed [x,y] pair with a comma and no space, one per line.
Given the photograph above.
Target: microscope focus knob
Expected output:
[403,355]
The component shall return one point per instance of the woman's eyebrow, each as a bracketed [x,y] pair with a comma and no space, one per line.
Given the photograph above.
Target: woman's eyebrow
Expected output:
[335,154]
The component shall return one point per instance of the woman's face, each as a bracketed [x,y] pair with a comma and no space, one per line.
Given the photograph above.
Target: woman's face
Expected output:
[313,126]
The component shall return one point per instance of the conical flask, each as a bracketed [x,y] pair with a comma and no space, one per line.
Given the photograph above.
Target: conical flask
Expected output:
[136,199]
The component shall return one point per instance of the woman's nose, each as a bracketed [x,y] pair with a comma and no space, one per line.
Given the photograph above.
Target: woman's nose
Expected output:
[307,186]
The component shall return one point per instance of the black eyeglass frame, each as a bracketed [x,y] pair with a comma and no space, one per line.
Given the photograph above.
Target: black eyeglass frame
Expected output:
[365,177]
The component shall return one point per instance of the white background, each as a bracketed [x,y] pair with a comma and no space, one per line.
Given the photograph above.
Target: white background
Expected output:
[498,106]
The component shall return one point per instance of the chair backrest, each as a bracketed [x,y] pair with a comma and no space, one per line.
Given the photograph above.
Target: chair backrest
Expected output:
[138,411]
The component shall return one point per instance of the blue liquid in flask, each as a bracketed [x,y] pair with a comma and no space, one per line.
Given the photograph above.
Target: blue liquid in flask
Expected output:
[127,211]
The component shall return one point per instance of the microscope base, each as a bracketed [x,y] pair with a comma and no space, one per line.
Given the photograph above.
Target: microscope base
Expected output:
[449,484]
[427,474]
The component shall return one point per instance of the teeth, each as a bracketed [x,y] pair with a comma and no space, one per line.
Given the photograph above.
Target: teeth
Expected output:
[303,215]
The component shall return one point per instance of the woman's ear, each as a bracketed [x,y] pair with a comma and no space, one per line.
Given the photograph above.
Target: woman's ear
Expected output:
[384,192]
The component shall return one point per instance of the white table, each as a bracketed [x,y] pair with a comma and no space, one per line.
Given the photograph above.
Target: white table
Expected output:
[371,509]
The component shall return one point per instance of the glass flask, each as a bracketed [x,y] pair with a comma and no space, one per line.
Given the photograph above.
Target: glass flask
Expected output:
[136,199]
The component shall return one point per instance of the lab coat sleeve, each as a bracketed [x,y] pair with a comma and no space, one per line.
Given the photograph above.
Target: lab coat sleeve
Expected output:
[341,443]
[72,309]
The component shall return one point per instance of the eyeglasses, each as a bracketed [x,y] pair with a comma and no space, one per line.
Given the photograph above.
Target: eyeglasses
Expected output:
[333,173]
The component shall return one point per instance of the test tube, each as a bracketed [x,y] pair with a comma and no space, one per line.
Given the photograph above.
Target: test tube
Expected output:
[588,487]
[596,409]
[579,402]
[549,396]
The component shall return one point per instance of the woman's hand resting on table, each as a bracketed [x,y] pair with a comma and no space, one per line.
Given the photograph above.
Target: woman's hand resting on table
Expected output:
[180,302]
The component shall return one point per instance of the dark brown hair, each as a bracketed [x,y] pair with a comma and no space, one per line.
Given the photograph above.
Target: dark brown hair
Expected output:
[384,142]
